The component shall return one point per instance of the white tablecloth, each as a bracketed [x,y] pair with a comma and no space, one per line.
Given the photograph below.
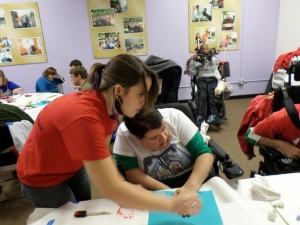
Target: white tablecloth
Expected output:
[236,204]
[31,103]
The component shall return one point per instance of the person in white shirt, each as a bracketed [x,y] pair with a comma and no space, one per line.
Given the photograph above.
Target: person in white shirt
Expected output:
[163,150]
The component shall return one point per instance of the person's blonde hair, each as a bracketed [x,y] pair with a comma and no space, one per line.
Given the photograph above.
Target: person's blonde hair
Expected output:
[5,80]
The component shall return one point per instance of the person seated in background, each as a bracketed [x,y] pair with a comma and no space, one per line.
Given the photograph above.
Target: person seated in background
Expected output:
[206,70]
[48,82]
[7,87]
[163,150]
[75,63]
[278,132]
[79,78]
[72,65]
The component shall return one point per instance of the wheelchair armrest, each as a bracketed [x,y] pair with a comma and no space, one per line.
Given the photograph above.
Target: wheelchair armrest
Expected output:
[230,169]
[217,150]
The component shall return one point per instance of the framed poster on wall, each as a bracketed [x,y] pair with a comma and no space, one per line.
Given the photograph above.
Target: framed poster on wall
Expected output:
[117,26]
[21,36]
[215,23]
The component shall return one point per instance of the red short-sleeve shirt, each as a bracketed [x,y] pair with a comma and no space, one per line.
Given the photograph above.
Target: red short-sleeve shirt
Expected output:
[67,131]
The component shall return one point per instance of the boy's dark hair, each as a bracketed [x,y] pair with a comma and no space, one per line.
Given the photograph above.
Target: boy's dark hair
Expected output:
[140,124]
[75,62]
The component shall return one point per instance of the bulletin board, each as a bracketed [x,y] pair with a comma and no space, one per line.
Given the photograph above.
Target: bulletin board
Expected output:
[21,36]
[215,23]
[117,27]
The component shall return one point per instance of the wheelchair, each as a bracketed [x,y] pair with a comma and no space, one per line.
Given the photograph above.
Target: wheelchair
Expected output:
[222,161]
[275,162]
[169,73]
[219,99]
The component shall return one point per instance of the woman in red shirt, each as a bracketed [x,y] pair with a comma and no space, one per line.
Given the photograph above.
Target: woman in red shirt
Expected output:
[71,135]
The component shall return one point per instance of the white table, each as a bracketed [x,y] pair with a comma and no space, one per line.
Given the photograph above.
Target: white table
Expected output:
[235,202]
[37,100]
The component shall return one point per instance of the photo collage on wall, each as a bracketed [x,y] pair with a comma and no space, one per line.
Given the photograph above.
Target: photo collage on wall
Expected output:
[214,22]
[118,28]
[20,34]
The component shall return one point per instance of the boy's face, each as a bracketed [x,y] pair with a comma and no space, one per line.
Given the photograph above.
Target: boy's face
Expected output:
[156,139]
[75,80]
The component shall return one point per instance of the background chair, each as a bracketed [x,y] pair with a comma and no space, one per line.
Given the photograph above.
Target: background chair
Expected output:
[60,88]
[222,160]
[170,74]
[8,152]
[8,156]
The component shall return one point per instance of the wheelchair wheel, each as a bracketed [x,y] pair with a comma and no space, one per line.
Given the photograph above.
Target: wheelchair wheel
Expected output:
[220,104]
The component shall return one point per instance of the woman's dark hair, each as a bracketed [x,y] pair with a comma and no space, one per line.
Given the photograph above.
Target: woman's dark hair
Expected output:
[142,123]
[4,78]
[126,70]
[48,71]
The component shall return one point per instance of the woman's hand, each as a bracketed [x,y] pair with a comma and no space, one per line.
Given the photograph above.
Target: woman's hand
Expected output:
[185,202]
[17,91]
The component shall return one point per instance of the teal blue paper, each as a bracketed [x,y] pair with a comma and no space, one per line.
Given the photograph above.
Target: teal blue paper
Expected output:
[41,103]
[209,214]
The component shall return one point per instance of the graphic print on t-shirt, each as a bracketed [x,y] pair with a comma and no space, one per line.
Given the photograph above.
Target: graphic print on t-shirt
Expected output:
[172,162]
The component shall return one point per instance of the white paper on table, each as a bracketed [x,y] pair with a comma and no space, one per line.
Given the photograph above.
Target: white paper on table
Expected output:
[222,191]
[235,213]
[65,214]
[287,185]
[236,205]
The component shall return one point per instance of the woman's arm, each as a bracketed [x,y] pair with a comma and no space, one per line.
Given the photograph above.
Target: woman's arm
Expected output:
[107,179]
[137,176]
[17,90]
[14,87]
